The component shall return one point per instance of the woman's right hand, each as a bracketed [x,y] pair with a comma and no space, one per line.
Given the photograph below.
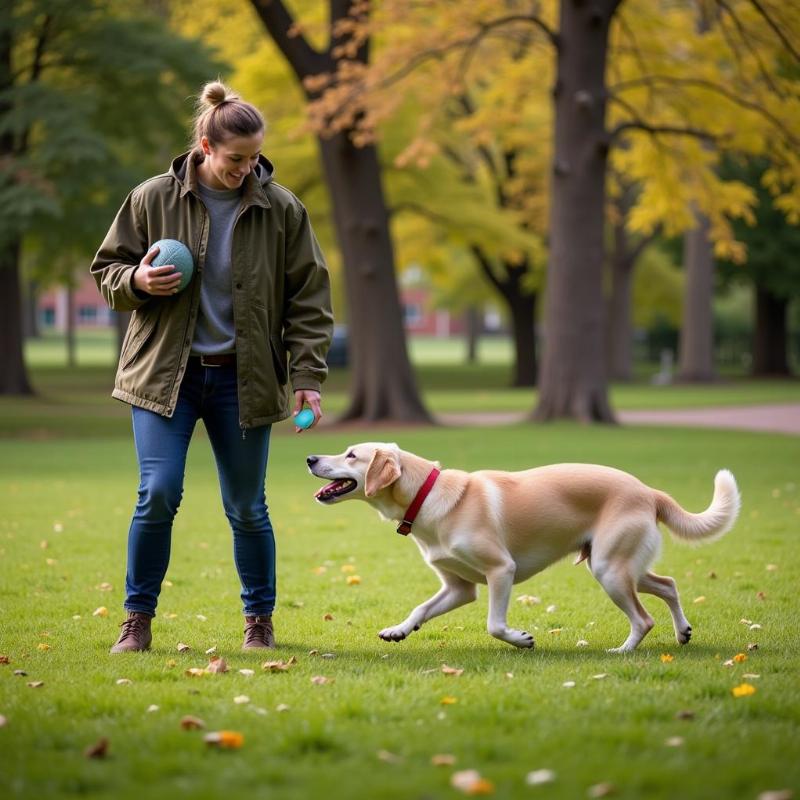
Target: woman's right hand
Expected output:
[158,281]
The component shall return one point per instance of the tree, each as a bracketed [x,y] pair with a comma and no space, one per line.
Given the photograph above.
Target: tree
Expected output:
[772,267]
[352,172]
[87,98]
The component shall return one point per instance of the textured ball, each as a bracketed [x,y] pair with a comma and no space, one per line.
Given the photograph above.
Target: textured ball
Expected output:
[304,419]
[171,251]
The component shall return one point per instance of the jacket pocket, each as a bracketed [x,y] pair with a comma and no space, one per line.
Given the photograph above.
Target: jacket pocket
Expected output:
[139,333]
[279,359]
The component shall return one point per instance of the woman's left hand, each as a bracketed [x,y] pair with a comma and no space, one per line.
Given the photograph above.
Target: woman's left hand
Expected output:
[313,400]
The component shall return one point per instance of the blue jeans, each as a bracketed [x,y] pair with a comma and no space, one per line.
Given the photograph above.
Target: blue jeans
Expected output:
[210,394]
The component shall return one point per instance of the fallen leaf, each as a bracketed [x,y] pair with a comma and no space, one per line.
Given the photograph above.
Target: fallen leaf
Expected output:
[58,527]
[539,777]
[568,684]
[44,544]
[329,656]
[152,708]
[712,574]
[700,599]
[282,707]
[102,611]
[602,790]
[229,740]
[3,721]
[752,646]
[581,643]
[743,690]
[51,562]
[443,760]
[168,584]
[761,595]
[247,672]
[776,794]
[353,580]
[42,646]
[529,600]
[319,680]
[217,665]
[201,617]
[755,627]
[327,617]
[196,672]
[348,568]
[211,650]
[744,621]
[105,587]
[189,723]
[451,670]
[551,608]
[97,750]
[124,681]
[5,660]
[555,631]
[751,675]
[171,615]
[509,675]
[674,741]
[665,659]
[319,570]
[685,714]
[389,758]
[600,676]
[35,684]
[20,672]
[447,700]
[276,666]
[772,567]
[241,699]
[313,652]
[183,648]
[728,663]
[739,657]
[469,781]
[171,662]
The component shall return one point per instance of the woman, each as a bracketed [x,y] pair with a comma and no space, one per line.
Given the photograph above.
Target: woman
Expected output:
[217,350]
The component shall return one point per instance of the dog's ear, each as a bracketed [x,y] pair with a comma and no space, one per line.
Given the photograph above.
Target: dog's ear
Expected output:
[383,470]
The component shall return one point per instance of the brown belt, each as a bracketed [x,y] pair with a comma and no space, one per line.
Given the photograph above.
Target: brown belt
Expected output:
[222,360]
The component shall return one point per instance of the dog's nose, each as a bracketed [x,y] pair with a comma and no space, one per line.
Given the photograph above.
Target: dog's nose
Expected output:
[311,460]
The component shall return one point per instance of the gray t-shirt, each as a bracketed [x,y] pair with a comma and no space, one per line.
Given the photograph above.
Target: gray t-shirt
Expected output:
[214,333]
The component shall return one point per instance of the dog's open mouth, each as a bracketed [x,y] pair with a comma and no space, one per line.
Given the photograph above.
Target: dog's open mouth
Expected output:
[335,489]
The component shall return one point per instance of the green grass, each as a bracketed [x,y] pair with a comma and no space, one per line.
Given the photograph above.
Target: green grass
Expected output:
[75,490]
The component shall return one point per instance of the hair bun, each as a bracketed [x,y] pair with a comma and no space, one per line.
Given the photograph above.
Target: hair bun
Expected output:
[215,93]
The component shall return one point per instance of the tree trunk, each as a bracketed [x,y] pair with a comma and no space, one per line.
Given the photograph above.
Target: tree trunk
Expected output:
[523,313]
[696,348]
[69,327]
[473,331]
[769,338]
[13,375]
[383,385]
[573,377]
[619,323]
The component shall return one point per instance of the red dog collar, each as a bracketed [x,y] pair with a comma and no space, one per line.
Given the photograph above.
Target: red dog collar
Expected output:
[404,528]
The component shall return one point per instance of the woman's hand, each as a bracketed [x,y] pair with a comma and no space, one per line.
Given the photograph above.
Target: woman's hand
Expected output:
[157,281]
[313,400]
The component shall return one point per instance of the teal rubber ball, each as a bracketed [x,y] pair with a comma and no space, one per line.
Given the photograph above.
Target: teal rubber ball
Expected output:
[304,419]
[171,251]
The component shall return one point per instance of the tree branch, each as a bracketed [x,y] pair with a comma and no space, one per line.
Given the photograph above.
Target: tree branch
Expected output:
[280,24]
[776,28]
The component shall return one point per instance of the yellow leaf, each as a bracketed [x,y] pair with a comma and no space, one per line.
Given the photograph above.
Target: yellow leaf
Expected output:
[353,580]
[666,658]
[743,690]
[447,700]
[102,611]
[229,740]
[739,657]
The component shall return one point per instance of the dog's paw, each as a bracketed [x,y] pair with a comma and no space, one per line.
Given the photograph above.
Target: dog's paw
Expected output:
[395,634]
[521,639]
[684,635]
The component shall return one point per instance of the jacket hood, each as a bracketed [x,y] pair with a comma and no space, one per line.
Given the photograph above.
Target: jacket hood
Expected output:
[184,170]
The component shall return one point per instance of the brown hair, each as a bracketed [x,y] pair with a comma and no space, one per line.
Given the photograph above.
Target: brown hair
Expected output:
[221,113]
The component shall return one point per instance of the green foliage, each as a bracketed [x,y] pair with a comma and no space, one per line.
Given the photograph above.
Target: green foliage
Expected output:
[97,103]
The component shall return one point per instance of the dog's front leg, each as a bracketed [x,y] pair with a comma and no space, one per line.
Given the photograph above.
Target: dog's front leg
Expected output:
[455,592]
[500,581]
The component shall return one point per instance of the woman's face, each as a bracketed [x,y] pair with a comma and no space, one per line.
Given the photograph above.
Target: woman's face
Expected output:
[228,163]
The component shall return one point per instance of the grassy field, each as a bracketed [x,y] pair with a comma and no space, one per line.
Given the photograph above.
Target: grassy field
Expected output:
[67,488]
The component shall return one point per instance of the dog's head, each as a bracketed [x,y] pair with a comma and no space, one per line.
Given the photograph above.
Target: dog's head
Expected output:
[362,471]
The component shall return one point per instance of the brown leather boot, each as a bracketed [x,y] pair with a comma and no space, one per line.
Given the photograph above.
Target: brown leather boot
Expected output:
[258,633]
[135,633]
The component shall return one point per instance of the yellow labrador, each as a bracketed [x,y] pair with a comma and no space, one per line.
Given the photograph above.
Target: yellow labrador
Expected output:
[499,528]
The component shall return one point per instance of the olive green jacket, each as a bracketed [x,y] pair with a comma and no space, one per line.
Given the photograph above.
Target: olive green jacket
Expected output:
[279,282]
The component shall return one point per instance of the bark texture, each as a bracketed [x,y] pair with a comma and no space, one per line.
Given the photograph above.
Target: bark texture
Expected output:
[573,379]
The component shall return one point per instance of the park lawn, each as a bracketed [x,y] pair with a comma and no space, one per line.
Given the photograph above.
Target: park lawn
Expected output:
[371,732]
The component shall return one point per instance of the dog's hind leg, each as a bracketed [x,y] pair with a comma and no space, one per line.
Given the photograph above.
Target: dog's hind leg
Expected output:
[455,592]
[620,586]
[664,587]
[500,581]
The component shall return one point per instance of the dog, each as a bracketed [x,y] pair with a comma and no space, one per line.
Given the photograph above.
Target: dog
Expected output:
[499,528]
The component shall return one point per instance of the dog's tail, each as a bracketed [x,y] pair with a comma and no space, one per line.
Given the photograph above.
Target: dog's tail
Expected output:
[710,524]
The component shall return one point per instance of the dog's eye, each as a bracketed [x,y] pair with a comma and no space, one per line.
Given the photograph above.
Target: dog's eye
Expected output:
[351,454]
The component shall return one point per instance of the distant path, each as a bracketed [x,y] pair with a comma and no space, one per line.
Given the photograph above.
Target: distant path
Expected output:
[777,418]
